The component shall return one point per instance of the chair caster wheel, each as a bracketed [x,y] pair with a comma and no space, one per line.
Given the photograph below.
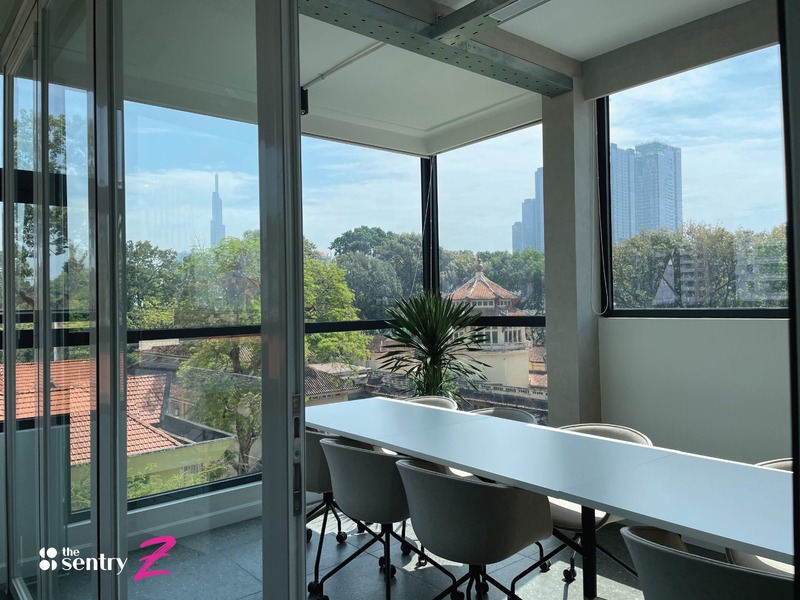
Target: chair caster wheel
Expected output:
[456,595]
[361,528]
[392,571]
[545,567]
[341,537]
[314,588]
[308,535]
[569,575]
[405,548]
[381,562]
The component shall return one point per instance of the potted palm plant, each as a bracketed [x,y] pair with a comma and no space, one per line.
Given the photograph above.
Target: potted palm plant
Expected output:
[433,338]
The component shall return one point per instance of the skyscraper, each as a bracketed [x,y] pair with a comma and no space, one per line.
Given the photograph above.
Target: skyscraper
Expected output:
[532,224]
[659,201]
[217,227]
[623,193]
[516,236]
[538,212]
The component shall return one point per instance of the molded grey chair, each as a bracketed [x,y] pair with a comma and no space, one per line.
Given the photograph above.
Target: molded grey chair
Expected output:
[439,401]
[367,487]
[753,561]
[667,571]
[318,480]
[471,521]
[507,412]
[567,515]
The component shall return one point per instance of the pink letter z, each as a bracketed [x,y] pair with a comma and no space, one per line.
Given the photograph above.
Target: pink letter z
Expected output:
[166,542]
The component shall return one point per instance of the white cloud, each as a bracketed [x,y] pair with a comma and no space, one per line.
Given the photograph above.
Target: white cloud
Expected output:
[172,208]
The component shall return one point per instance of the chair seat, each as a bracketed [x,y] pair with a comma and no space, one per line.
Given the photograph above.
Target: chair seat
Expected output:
[567,515]
[760,563]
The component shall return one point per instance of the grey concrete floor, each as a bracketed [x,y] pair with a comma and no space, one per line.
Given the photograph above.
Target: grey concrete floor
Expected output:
[225,564]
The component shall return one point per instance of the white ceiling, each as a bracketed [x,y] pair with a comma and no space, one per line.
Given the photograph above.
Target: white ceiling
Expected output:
[401,100]
[198,55]
[583,29]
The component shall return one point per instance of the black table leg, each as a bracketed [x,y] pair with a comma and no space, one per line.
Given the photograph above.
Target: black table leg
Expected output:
[589,552]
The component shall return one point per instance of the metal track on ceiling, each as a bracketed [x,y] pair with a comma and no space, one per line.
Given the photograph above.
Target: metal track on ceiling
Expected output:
[383,24]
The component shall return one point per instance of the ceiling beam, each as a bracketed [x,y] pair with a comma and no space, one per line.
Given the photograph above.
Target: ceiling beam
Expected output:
[383,24]
[477,16]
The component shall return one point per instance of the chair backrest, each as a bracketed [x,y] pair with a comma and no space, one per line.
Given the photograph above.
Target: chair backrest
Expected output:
[614,432]
[318,477]
[507,412]
[667,573]
[365,481]
[471,521]
[439,401]
[753,561]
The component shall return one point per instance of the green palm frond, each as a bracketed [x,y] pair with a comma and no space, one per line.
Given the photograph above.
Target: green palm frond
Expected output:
[433,337]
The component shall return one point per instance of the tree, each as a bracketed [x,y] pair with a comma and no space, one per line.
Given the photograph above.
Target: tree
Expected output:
[639,265]
[519,272]
[151,278]
[222,377]
[456,268]
[404,252]
[373,281]
[362,239]
[327,297]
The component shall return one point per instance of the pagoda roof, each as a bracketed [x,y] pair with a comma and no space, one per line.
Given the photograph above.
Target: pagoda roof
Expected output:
[480,287]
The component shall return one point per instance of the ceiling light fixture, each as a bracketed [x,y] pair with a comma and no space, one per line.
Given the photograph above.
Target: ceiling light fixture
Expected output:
[515,8]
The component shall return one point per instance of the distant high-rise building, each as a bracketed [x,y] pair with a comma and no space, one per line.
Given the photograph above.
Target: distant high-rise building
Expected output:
[538,213]
[516,236]
[217,227]
[533,224]
[623,193]
[659,201]
[529,233]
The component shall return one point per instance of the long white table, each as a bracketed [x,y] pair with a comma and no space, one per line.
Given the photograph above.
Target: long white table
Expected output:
[722,502]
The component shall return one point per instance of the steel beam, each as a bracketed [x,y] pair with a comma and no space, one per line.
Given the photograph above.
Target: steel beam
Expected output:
[477,16]
[408,33]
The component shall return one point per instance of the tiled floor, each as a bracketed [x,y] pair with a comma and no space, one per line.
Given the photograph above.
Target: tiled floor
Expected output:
[225,564]
[363,580]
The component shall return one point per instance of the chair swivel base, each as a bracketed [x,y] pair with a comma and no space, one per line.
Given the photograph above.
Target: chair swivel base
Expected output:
[316,587]
[478,578]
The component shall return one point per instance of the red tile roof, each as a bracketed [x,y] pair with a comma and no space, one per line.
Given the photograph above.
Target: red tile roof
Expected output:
[481,287]
[71,393]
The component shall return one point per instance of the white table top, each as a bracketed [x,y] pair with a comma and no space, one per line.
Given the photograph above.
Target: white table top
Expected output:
[722,502]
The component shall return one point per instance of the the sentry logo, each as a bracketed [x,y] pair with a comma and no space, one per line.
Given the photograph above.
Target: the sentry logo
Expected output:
[71,560]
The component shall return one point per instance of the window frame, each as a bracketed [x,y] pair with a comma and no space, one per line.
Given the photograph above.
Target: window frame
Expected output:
[431,268]
[602,123]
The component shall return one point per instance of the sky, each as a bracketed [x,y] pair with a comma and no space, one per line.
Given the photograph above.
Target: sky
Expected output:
[726,118]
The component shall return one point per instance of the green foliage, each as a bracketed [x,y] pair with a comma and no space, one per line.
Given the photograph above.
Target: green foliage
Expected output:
[433,337]
[373,281]
[151,285]
[367,240]
[221,285]
[711,267]
[398,256]
[141,484]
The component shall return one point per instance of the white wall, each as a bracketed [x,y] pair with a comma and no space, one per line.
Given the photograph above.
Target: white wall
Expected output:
[710,386]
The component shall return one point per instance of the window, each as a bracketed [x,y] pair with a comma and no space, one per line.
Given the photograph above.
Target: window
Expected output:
[697,193]
[491,230]
[362,228]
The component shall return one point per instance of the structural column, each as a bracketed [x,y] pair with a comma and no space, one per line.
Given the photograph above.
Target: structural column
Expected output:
[572,290]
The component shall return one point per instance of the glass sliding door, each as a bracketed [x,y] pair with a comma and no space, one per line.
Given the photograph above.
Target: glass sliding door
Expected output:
[23,366]
[49,366]
[68,270]
[193,294]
